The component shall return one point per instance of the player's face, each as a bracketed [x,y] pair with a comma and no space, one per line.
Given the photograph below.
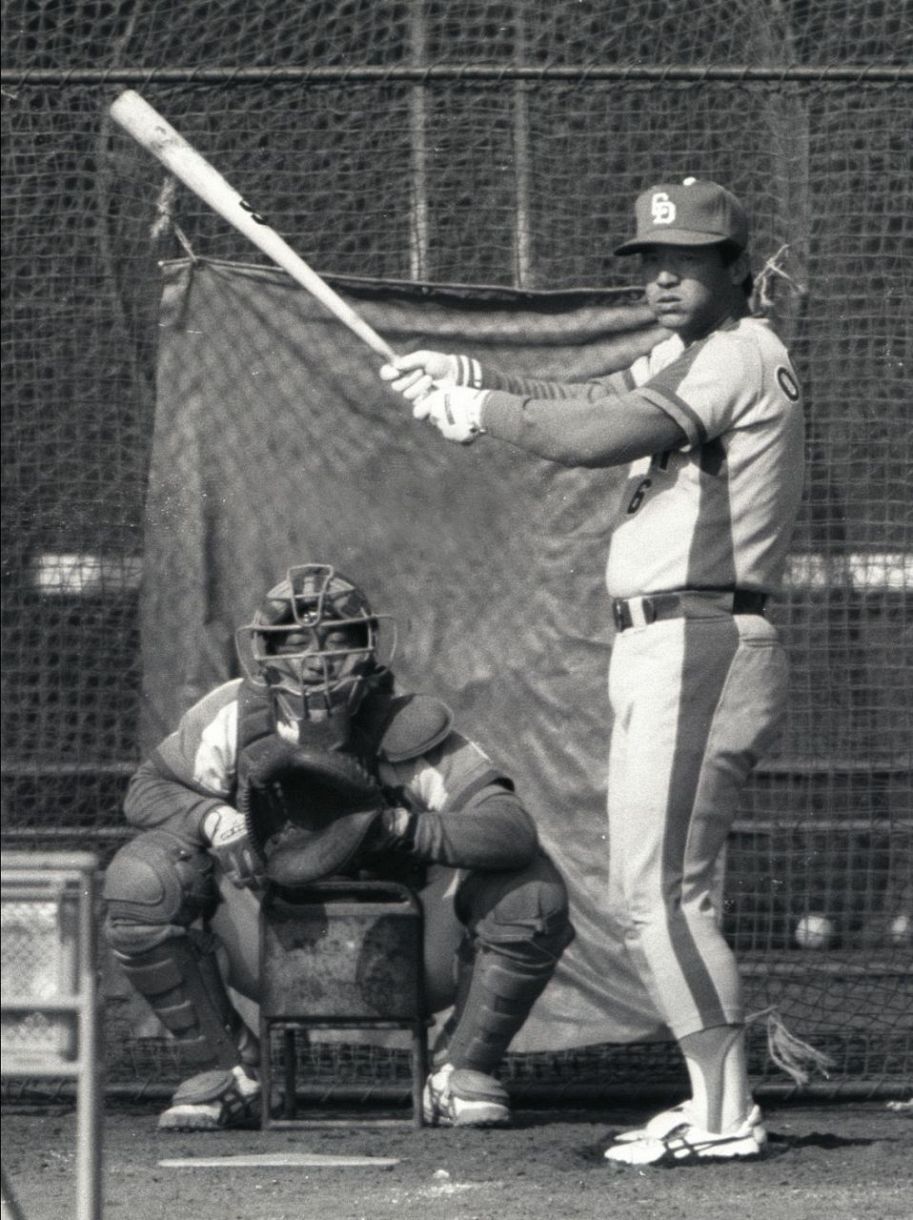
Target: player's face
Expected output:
[322,653]
[689,288]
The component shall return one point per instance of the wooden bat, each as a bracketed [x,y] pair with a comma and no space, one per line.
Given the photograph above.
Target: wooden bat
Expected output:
[148,128]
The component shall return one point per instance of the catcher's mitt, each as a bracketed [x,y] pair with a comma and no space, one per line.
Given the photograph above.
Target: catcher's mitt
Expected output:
[300,856]
[292,794]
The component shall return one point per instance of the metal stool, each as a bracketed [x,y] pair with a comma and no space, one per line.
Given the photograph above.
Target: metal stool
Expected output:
[340,954]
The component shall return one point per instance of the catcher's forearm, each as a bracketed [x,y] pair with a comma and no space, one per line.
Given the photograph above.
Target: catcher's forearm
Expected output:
[493,833]
[154,800]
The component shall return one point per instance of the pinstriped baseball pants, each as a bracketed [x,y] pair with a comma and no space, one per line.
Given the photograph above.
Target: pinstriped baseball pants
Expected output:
[695,703]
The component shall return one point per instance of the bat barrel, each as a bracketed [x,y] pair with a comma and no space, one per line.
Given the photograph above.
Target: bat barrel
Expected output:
[154,133]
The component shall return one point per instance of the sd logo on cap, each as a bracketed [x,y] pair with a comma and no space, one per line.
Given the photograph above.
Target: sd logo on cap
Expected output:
[691,213]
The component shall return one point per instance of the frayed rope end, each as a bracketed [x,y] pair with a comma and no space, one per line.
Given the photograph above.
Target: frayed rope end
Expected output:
[793,1056]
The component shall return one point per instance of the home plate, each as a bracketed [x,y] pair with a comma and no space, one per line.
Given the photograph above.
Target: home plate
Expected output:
[279,1160]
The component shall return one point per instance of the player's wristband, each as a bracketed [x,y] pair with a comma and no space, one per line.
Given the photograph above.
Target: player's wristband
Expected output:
[467,371]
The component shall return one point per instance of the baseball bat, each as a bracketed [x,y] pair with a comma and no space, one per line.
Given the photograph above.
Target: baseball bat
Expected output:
[154,133]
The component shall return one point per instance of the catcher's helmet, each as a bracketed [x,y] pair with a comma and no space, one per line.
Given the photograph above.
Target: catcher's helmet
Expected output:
[313,642]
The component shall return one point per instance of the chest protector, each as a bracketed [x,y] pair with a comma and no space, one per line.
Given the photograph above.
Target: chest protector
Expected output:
[387,727]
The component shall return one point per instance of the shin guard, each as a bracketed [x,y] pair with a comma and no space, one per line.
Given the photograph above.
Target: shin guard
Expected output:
[493,1004]
[181,982]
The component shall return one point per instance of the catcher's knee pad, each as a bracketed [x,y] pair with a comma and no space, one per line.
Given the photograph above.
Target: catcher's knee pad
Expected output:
[519,927]
[522,914]
[180,980]
[153,886]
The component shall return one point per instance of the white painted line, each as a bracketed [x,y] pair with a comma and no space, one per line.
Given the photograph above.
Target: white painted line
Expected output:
[82,573]
[856,570]
[56,574]
[279,1160]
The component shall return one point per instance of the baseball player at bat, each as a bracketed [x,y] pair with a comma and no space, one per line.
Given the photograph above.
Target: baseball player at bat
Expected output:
[709,425]
[315,764]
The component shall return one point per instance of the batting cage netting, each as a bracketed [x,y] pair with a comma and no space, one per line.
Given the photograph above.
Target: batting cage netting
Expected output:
[182,422]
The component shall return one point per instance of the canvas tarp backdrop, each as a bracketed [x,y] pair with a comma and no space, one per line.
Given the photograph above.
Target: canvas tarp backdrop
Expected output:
[276,443]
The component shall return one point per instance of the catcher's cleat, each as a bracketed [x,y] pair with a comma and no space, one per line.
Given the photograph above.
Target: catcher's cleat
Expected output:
[687,1144]
[460,1097]
[213,1101]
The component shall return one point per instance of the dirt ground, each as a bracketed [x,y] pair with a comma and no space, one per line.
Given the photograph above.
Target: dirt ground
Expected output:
[841,1161]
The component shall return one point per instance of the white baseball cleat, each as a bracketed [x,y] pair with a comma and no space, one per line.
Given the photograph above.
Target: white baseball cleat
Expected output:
[460,1097]
[659,1125]
[213,1101]
[687,1143]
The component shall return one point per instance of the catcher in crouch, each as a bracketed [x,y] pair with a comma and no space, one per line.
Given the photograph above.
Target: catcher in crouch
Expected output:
[314,764]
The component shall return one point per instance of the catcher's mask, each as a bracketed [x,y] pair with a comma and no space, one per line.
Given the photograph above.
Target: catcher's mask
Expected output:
[313,643]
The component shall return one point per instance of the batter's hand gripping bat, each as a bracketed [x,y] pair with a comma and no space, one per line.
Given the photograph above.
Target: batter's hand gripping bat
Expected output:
[148,128]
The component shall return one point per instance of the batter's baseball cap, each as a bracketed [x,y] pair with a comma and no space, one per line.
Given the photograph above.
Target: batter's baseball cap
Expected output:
[689,213]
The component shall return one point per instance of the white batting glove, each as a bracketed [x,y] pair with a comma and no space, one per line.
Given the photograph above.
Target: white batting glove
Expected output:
[225,832]
[416,373]
[456,412]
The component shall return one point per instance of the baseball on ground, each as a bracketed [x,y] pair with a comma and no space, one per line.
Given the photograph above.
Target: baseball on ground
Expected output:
[901,930]
[814,931]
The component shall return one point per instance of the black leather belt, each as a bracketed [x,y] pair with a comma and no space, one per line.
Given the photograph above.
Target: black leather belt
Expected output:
[697,603]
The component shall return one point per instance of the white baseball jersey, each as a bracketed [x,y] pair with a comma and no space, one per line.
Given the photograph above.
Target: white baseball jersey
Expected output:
[717,513]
